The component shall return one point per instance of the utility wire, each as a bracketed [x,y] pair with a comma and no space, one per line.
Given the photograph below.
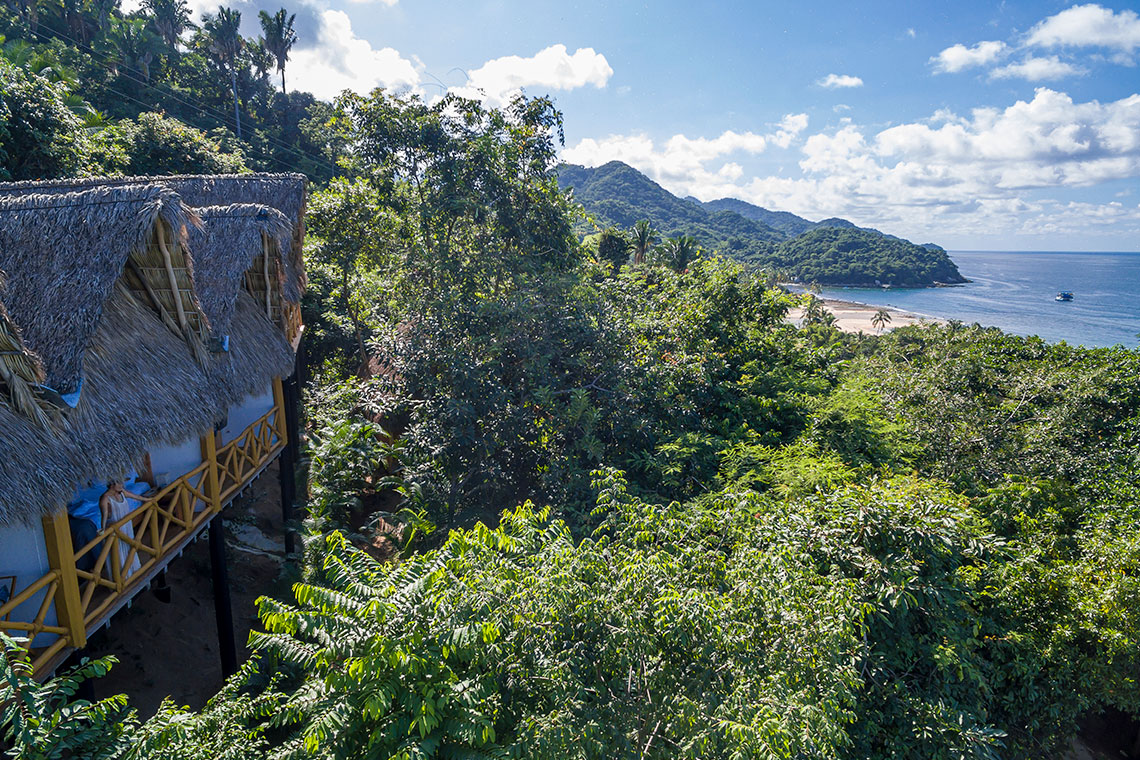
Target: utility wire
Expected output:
[199,106]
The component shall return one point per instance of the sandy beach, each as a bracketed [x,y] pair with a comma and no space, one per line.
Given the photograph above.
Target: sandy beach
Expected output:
[855,317]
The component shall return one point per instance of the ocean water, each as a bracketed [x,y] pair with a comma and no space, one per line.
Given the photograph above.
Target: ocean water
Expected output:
[1015,291]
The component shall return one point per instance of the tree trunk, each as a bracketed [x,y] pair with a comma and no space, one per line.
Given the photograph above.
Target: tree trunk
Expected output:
[237,113]
[283,80]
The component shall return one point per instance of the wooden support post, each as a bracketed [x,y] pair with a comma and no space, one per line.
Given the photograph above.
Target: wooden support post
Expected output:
[175,291]
[286,394]
[293,409]
[288,495]
[223,612]
[61,558]
[209,446]
[279,423]
[268,284]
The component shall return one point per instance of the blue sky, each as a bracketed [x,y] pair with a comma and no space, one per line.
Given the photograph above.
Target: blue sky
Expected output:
[1011,125]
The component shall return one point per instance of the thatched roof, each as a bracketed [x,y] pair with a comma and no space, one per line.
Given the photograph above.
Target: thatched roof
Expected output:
[72,307]
[63,253]
[142,389]
[285,192]
[258,352]
[230,239]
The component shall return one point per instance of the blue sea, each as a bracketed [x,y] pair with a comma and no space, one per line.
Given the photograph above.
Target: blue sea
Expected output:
[1015,291]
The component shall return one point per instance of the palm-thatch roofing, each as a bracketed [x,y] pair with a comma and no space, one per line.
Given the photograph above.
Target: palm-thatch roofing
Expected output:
[286,192]
[143,389]
[258,352]
[63,253]
[230,238]
[71,306]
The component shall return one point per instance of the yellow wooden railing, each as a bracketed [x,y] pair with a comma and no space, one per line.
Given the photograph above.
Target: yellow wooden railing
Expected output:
[156,530]
[147,536]
[244,457]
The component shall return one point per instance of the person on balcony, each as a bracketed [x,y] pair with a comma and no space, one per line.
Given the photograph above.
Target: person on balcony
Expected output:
[115,507]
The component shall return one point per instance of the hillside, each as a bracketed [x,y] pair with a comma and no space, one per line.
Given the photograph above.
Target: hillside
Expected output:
[835,256]
[784,221]
[618,195]
[832,251]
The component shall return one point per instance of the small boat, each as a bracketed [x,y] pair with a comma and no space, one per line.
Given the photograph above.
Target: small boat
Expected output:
[1064,295]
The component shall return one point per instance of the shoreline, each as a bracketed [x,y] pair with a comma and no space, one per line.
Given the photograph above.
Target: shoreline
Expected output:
[856,316]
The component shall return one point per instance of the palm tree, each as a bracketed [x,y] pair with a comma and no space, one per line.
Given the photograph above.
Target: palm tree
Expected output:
[644,236]
[225,41]
[279,38]
[679,251]
[170,18]
[261,60]
[134,41]
[813,311]
[881,319]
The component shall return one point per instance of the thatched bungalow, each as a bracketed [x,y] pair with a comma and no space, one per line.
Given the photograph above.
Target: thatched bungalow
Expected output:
[142,339]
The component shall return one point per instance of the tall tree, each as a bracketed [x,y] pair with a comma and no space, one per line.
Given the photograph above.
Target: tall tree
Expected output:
[679,252]
[170,19]
[644,236]
[135,43]
[261,60]
[225,41]
[279,38]
[613,247]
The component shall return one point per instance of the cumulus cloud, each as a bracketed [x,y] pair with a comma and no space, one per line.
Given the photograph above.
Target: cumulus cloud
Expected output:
[678,161]
[922,179]
[788,129]
[1089,25]
[958,57]
[1036,69]
[836,81]
[342,61]
[553,68]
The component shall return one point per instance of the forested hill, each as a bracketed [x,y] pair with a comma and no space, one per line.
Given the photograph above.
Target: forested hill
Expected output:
[784,221]
[831,252]
[831,256]
[618,195]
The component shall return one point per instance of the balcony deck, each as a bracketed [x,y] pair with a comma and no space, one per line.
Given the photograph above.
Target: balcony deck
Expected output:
[87,585]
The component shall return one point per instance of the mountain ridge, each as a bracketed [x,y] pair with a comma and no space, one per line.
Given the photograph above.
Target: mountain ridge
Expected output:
[618,196]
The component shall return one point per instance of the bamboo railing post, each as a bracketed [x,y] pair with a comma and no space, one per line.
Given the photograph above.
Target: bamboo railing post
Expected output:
[279,415]
[61,558]
[210,457]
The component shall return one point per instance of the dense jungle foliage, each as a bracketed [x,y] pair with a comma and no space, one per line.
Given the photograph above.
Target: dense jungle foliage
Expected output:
[633,511]
[87,89]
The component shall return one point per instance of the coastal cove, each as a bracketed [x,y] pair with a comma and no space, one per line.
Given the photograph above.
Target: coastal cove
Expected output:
[1015,290]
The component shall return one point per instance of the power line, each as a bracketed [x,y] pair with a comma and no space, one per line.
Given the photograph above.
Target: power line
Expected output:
[201,107]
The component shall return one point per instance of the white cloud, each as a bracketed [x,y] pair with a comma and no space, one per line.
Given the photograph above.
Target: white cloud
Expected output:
[679,160]
[936,179]
[910,33]
[834,81]
[388,3]
[553,68]
[788,129]
[1089,25]
[1035,69]
[342,61]
[958,57]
